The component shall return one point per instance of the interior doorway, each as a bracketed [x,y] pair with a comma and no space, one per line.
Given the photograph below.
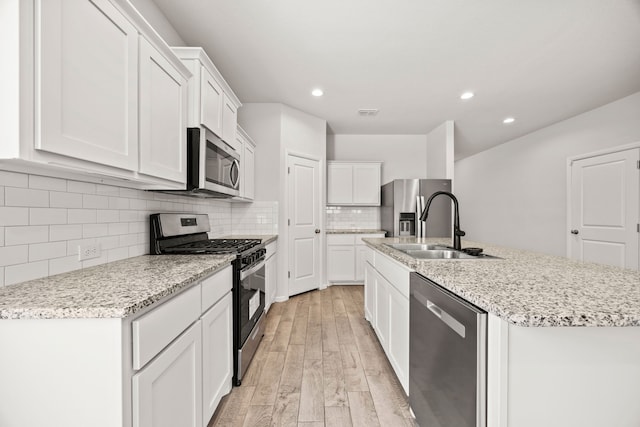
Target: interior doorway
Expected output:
[604,204]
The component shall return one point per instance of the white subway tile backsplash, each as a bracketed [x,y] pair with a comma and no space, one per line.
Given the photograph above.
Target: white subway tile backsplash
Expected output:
[118,203]
[345,217]
[10,255]
[81,216]
[94,230]
[22,272]
[39,216]
[40,251]
[26,235]
[65,232]
[118,228]
[50,217]
[65,264]
[47,183]
[65,200]
[108,215]
[81,187]
[92,201]
[14,179]
[25,197]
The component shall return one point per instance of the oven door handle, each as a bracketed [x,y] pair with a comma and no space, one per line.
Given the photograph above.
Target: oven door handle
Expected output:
[252,270]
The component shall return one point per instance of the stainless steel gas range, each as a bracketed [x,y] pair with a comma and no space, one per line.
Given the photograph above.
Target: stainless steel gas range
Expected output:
[179,233]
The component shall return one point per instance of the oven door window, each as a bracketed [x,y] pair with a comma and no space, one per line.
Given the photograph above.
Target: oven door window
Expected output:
[221,167]
[252,300]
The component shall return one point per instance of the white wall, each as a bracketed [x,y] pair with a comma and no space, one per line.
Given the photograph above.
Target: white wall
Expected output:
[404,156]
[278,130]
[440,144]
[158,21]
[515,194]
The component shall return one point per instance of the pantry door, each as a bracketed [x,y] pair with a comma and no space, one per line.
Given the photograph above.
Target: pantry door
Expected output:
[605,209]
[303,181]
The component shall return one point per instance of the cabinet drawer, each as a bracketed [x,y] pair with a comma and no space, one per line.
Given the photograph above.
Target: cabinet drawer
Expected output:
[396,273]
[153,331]
[271,249]
[340,239]
[216,286]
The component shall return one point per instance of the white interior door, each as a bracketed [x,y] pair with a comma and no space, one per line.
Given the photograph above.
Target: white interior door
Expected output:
[605,209]
[304,224]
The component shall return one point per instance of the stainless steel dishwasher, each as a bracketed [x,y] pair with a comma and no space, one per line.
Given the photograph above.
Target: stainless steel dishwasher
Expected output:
[447,357]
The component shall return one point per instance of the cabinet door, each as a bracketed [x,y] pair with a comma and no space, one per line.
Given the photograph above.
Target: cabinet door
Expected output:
[163,98]
[271,280]
[339,184]
[340,263]
[168,391]
[212,99]
[381,324]
[229,121]
[366,184]
[88,92]
[248,164]
[369,293]
[217,355]
[398,338]
[361,259]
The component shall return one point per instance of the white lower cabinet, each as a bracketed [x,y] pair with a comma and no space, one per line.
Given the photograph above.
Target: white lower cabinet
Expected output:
[346,257]
[217,355]
[271,274]
[168,391]
[386,307]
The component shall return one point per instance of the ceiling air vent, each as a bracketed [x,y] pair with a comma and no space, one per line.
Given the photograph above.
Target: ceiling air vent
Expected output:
[368,112]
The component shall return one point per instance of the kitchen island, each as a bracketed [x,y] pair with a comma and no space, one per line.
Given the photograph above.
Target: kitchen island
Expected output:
[563,344]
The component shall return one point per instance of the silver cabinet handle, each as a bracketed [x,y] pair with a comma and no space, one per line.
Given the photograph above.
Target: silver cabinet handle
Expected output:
[574,231]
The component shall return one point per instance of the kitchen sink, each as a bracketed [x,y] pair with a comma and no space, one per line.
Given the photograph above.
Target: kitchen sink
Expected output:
[425,251]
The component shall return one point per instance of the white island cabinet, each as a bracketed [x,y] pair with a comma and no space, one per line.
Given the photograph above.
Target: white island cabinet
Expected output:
[95,94]
[167,365]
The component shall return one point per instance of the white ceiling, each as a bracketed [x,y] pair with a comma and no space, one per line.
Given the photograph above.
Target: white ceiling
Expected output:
[540,61]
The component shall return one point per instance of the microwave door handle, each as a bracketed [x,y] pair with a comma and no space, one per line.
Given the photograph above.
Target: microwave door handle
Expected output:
[234,173]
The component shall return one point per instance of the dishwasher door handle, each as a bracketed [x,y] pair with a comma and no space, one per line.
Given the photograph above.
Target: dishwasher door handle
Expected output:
[446,318]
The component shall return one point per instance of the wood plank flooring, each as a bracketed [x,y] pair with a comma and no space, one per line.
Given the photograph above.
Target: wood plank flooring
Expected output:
[319,364]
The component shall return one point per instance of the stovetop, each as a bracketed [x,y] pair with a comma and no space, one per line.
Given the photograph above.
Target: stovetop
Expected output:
[215,246]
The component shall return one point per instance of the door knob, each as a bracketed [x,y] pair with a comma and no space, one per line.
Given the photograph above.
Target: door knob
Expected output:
[574,231]
[317,231]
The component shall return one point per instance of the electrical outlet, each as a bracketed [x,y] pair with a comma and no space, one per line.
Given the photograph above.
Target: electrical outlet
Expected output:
[88,251]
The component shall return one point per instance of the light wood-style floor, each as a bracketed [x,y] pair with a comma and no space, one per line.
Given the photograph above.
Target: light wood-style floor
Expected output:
[319,364]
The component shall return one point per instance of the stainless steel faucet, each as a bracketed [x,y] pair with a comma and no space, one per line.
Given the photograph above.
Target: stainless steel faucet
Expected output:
[457,233]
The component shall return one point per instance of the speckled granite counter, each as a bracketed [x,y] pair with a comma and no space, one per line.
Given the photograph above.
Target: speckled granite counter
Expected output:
[355,231]
[532,289]
[114,290]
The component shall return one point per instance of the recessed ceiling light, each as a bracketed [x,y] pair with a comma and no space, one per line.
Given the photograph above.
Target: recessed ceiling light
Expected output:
[317,92]
[508,120]
[467,95]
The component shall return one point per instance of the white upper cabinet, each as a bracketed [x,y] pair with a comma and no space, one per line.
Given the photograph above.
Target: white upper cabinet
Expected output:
[163,116]
[101,96]
[89,83]
[246,147]
[353,183]
[212,103]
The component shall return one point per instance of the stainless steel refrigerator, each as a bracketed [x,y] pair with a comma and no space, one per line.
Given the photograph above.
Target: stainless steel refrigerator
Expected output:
[398,213]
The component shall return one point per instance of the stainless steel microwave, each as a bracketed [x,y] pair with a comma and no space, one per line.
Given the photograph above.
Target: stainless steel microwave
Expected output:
[213,166]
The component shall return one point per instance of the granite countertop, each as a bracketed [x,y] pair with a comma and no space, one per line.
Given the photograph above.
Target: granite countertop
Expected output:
[266,238]
[114,290]
[532,289]
[355,231]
